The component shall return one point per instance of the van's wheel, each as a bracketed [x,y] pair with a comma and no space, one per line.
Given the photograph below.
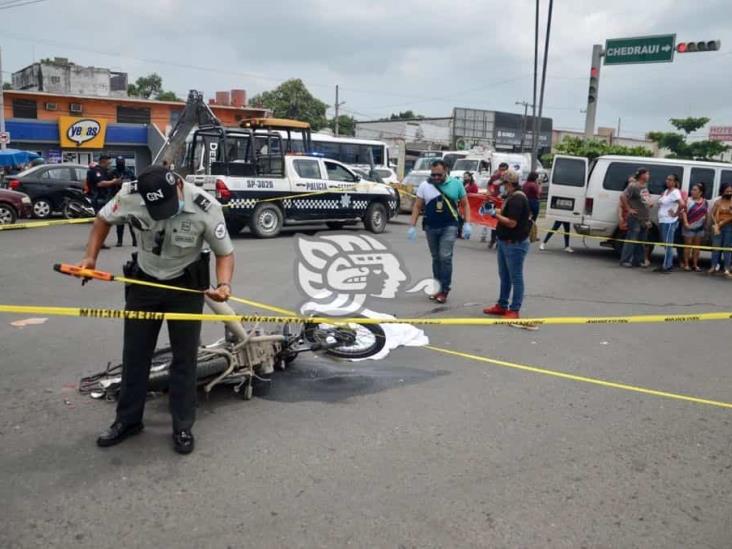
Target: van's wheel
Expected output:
[376,218]
[266,221]
[42,208]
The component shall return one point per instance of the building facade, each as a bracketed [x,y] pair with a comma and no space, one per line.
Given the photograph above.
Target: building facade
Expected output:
[59,75]
[608,136]
[465,129]
[49,123]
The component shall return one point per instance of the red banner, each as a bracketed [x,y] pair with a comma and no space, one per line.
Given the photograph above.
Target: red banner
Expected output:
[478,204]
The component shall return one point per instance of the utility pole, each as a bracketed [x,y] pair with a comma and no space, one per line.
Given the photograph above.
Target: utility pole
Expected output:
[526,106]
[538,120]
[3,146]
[618,134]
[593,91]
[534,137]
[337,111]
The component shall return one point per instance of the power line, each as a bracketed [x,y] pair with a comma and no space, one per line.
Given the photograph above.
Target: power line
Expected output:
[19,3]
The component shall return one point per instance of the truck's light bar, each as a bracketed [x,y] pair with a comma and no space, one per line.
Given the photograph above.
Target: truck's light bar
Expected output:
[313,154]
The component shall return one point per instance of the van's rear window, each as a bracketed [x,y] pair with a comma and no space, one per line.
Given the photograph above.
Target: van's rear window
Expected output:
[569,172]
[618,174]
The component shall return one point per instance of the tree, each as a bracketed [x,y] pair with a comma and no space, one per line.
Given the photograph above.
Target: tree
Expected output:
[406,115]
[291,99]
[146,86]
[149,86]
[7,86]
[591,149]
[167,96]
[346,125]
[679,145]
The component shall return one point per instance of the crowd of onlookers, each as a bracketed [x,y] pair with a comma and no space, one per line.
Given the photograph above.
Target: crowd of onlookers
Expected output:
[688,219]
[685,221]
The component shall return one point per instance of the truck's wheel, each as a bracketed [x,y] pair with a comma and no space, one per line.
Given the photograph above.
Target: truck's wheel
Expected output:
[266,221]
[376,218]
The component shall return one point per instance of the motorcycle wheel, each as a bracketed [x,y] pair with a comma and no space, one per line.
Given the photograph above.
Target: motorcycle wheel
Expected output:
[206,369]
[358,340]
[73,209]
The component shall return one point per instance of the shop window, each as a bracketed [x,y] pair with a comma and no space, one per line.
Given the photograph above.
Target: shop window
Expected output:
[25,108]
[130,115]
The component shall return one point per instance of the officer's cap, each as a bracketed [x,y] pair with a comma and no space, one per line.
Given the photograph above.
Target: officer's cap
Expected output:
[157,186]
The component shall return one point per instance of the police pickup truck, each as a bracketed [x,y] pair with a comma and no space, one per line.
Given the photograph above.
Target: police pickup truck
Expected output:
[301,189]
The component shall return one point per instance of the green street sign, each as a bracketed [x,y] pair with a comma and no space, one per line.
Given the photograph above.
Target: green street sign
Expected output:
[643,49]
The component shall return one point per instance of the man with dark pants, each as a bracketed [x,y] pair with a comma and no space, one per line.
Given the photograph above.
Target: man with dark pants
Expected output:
[512,229]
[441,197]
[122,173]
[634,201]
[174,219]
[100,185]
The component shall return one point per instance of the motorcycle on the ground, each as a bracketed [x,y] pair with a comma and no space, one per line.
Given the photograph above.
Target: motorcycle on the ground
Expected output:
[246,357]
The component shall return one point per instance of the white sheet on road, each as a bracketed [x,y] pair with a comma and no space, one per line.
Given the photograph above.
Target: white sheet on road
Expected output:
[397,335]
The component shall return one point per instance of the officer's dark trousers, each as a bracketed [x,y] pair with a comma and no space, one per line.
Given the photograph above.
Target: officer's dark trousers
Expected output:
[121,234]
[140,338]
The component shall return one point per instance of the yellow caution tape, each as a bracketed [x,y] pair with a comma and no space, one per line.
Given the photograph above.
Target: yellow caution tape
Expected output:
[582,379]
[548,321]
[643,242]
[36,224]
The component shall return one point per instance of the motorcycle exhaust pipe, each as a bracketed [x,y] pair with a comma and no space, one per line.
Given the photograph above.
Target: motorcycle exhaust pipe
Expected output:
[225,309]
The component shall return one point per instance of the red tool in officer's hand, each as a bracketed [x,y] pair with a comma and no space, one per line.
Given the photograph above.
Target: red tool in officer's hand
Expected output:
[85,274]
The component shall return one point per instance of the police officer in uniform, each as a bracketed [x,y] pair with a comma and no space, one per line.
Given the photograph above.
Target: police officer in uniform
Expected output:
[122,173]
[100,185]
[173,219]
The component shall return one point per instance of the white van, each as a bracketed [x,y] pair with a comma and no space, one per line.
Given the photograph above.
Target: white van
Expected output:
[587,194]
[479,166]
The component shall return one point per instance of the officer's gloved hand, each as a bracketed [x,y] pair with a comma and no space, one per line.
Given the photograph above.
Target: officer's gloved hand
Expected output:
[412,233]
[467,231]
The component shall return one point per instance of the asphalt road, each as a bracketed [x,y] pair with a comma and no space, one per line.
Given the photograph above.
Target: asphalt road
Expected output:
[420,449]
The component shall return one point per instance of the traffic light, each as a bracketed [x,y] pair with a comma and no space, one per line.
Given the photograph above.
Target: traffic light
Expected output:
[692,47]
[592,92]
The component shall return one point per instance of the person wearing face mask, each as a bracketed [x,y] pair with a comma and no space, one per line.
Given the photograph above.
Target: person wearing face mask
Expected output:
[174,219]
[496,189]
[441,197]
[722,230]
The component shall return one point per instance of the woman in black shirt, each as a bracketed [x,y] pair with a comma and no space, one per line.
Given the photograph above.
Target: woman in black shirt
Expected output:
[514,226]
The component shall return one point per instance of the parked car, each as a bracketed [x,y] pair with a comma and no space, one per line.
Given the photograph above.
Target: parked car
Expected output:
[13,206]
[387,175]
[50,187]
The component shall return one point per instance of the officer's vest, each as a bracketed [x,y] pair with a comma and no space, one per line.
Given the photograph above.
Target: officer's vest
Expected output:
[441,212]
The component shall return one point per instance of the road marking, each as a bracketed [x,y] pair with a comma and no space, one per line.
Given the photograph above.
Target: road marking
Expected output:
[582,379]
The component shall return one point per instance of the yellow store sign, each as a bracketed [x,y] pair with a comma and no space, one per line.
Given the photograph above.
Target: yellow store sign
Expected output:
[81,133]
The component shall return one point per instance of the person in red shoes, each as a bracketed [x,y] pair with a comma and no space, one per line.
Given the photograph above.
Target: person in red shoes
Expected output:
[512,231]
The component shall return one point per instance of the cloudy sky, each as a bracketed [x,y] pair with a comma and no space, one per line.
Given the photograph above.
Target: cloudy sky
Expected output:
[391,55]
